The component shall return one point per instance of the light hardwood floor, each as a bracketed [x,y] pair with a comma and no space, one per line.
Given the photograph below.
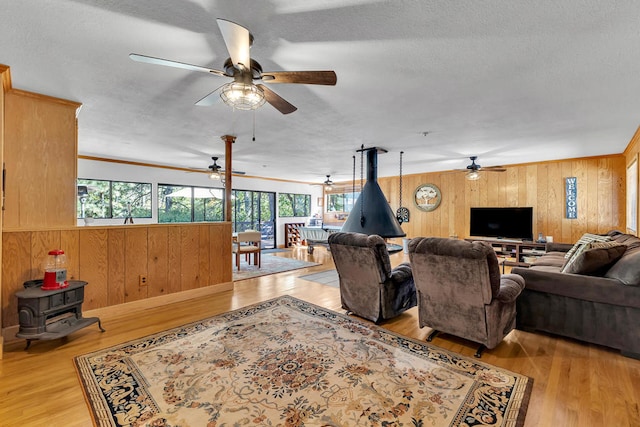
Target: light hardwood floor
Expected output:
[575,384]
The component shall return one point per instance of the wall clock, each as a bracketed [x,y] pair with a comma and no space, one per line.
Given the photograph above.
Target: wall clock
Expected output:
[427,197]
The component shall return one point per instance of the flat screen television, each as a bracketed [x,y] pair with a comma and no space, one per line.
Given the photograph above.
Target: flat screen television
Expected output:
[509,223]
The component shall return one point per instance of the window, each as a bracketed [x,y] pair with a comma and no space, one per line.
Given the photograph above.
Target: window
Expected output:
[189,204]
[294,205]
[341,202]
[255,210]
[113,199]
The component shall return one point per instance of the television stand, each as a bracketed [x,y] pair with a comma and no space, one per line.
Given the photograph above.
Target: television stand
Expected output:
[513,252]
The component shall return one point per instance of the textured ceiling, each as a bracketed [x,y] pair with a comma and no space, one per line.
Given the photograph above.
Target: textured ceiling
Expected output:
[508,81]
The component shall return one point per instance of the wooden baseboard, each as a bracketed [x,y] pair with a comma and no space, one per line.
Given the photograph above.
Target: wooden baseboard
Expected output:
[9,333]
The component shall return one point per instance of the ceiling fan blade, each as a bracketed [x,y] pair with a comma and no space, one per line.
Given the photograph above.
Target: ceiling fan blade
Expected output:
[303,77]
[175,64]
[235,172]
[210,99]
[493,169]
[277,101]
[237,39]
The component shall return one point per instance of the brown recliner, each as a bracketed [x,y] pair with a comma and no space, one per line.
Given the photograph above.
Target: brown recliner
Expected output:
[369,287]
[461,291]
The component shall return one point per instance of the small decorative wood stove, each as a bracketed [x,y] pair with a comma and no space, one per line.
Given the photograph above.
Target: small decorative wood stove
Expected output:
[47,315]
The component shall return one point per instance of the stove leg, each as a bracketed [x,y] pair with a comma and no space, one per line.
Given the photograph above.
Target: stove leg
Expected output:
[100,326]
[28,344]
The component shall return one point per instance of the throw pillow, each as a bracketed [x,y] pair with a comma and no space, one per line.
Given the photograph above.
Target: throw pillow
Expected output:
[586,238]
[595,258]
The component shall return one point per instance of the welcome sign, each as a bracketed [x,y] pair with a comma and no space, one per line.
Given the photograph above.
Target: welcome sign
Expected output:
[571,192]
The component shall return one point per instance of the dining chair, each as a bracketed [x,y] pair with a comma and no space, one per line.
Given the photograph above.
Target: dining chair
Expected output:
[247,243]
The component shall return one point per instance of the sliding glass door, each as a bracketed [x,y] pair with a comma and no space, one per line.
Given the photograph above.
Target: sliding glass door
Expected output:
[255,210]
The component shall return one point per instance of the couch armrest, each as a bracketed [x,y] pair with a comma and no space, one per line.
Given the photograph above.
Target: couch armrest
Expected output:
[402,273]
[510,287]
[578,286]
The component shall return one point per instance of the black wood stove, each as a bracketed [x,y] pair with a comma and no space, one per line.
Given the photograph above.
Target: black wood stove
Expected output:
[47,315]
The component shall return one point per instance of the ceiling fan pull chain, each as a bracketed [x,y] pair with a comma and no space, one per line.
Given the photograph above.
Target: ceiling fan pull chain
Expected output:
[254,126]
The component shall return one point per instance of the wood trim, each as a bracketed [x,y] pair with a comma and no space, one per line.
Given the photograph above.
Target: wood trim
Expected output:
[5,74]
[179,168]
[47,98]
[632,147]
[5,77]
[121,227]
[632,159]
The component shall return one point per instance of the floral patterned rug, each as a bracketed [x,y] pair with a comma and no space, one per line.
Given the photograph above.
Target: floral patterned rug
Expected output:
[287,362]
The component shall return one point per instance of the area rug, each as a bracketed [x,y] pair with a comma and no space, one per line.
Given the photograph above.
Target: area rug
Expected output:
[288,362]
[274,250]
[270,264]
[328,277]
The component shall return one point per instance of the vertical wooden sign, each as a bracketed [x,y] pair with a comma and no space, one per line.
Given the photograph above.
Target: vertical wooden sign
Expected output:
[571,197]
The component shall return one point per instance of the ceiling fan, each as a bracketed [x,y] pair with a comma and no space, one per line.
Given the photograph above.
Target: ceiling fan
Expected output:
[473,170]
[216,171]
[242,93]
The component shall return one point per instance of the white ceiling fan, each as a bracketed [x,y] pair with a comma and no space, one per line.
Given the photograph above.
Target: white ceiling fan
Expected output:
[242,93]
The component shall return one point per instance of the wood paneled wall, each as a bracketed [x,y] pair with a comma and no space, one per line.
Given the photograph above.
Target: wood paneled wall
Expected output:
[5,84]
[174,258]
[40,153]
[601,197]
[631,153]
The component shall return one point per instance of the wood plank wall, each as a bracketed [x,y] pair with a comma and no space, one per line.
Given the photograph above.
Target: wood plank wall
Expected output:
[40,156]
[631,153]
[601,197]
[173,257]
[5,84]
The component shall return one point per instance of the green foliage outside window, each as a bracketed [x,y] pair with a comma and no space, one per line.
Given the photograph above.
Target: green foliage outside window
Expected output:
[341,202]
[252,209]
[189,204]
[294,205]
[113,199]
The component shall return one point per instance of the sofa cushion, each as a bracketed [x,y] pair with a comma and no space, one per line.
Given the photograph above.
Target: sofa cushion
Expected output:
[595,259]
[586,238]
[555,259]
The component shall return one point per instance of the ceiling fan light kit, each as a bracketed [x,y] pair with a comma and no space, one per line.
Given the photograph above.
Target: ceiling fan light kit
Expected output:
[474,169]
[328,184]
[473,175]
[242,96]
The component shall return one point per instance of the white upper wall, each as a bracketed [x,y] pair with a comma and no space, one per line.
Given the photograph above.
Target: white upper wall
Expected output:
[92,169]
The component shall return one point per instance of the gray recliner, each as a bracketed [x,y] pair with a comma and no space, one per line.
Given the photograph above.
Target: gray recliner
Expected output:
[461,291]
[369,287]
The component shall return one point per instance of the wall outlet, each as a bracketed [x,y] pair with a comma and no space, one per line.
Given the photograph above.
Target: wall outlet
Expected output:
[142,280]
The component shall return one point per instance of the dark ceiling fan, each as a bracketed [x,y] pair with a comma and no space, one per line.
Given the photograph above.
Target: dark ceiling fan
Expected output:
[217,169]
[242,93]
[473,170]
